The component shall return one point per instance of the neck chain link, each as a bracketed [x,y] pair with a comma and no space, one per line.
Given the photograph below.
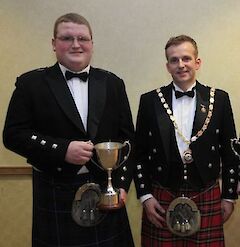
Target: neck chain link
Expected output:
[172,118]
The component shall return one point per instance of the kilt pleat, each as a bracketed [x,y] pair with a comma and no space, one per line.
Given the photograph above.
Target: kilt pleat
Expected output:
[53,225]
[211,229]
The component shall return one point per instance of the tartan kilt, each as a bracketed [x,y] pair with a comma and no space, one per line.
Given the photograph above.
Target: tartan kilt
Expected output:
[211,229]
[53,225]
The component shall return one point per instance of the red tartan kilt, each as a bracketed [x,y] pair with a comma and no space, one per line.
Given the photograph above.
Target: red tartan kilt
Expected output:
[211,230]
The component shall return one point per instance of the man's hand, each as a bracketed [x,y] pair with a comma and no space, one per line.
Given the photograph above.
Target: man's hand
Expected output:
[154,210]
[122,198]
[79,152]
[227,209]
[123,195]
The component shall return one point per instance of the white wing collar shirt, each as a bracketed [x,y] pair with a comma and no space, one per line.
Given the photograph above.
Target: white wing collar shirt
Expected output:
[79,91]
[183,111]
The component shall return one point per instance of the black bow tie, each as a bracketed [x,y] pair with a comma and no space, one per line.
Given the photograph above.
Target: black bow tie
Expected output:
[179,94]
[82,76]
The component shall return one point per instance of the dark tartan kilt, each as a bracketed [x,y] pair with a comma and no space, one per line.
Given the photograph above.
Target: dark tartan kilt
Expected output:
[53,225]
[211,230]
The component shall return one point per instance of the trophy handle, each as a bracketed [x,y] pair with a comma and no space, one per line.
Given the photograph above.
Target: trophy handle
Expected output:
[95,163]
[235,140]
[128,153]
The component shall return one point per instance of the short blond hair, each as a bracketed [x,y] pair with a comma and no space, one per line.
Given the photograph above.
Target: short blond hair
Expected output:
[71,17]
[173,41]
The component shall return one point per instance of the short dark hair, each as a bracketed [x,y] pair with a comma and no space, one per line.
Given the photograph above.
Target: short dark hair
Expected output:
[179,40]
[71,17]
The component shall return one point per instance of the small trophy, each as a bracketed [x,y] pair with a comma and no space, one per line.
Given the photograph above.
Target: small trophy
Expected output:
[90,204]
[109,156]
[235,145]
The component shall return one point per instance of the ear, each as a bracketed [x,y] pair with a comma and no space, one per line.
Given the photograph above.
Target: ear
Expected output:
[54,44]
[198,63]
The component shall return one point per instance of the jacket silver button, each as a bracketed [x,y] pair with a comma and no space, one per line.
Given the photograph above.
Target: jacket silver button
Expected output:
[43,142]
[54,146]
[33,137]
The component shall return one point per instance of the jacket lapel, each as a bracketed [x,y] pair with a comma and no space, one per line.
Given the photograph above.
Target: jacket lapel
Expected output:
[63,95]
[202,94]
[164,123]
[96,98]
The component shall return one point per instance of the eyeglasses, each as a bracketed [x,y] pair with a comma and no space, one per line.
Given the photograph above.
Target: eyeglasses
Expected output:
[70,39]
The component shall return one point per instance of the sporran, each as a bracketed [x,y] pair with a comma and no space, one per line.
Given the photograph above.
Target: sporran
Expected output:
[85,210]
[183,217]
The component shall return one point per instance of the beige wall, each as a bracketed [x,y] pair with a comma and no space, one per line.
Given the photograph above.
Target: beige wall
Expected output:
[129,39]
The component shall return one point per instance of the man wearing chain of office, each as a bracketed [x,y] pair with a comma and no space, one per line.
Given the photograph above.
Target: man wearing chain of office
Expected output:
[183,148]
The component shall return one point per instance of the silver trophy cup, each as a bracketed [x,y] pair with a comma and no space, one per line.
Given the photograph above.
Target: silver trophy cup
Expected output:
[109,158]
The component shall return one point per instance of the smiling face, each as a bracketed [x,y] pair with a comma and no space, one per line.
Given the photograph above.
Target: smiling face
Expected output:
[73,45]
[182,64]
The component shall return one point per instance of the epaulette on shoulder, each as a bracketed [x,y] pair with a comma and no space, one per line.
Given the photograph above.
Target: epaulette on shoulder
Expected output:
[41,69]
[104,71]
[34,71]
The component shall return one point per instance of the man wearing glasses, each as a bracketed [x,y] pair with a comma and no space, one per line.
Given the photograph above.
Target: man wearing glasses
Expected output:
[55,116]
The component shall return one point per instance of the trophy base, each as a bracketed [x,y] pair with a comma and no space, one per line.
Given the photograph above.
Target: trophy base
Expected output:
[110,201]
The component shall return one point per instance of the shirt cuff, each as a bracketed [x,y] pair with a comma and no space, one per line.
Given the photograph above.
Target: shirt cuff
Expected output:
[145,197]
[230,200]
